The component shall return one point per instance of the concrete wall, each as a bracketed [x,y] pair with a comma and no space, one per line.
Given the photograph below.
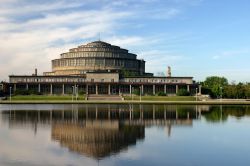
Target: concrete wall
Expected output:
[173,80]
[102,77]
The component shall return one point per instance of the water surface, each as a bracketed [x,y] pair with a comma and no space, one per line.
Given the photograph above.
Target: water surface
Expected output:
[124,134]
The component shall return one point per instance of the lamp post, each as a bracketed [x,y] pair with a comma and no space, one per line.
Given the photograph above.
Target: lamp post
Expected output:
[10,93]
[196,92]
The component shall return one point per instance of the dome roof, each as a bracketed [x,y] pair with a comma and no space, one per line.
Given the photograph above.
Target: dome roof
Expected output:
[99,44]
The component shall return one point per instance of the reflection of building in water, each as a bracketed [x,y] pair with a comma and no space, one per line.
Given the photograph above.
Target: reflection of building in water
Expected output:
[100,130]
[97,138]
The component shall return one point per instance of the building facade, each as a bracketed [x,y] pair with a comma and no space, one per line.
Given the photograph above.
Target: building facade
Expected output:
[100,68]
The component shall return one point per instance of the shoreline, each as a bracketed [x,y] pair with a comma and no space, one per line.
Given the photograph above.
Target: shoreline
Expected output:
[126,102]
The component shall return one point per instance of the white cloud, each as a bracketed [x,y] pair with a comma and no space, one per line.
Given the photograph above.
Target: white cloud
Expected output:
[31,34]
[14,9]
[27,45]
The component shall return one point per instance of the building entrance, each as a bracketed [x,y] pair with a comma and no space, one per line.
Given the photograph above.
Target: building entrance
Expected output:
[102,89]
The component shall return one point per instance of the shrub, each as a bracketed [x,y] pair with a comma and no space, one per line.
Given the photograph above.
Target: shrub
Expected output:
[22,92]
[136,92]
[161,94]
[183,92]
[1,93]
[81,93]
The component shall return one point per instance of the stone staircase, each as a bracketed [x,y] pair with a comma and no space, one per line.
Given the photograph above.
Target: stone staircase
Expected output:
[105,97]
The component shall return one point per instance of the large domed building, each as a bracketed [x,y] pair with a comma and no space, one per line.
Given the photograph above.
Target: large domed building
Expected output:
[99,68]
[97,56]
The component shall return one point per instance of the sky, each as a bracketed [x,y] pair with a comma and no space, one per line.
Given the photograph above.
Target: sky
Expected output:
[198,38]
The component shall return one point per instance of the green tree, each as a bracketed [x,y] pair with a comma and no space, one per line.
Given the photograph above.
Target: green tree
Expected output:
[215,83]
[247,92]
[239,91]
[230,91]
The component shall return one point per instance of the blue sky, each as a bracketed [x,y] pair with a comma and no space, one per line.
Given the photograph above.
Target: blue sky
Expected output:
[197,38]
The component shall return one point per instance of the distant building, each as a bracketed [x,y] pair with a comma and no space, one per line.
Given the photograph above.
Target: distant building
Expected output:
[100,68]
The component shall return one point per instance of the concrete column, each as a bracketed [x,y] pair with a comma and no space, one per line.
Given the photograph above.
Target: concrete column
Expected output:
[187,115]
[14,88]
[96,89]
[176,114]
[153,89]
[130,89]
[109,89]
[51,89]
[119,90]
[142,90]
[165,88]
[176,89]
[27,86]
[62,89]
[188,88]
[39,88]
[200,89]
[87,89]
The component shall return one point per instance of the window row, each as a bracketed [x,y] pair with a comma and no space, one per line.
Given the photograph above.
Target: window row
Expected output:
[154,80]
[96,62]
[98,49]
[98,54]
[15,80]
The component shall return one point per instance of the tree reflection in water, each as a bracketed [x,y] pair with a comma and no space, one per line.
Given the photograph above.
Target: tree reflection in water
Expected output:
[221,113]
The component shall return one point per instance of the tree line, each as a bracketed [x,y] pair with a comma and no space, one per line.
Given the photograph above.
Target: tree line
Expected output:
[218,87]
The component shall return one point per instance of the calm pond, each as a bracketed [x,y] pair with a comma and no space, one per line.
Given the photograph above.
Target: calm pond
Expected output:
[125,134]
